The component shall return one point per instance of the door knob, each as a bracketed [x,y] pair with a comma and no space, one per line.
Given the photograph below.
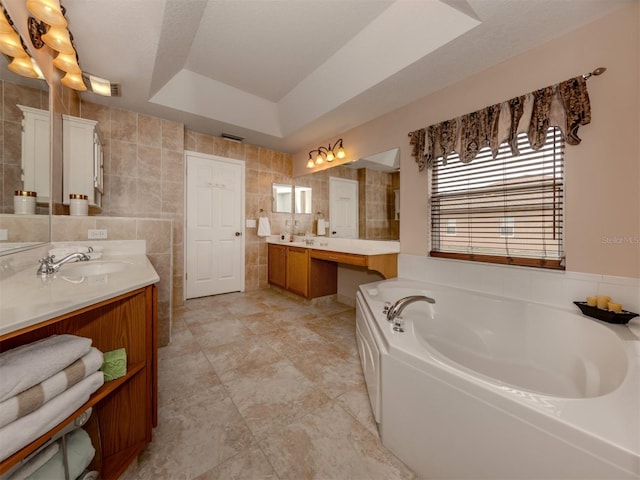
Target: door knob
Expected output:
[238,234]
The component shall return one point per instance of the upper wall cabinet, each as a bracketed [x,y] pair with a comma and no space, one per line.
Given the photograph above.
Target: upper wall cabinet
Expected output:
[83,170]
[35,151]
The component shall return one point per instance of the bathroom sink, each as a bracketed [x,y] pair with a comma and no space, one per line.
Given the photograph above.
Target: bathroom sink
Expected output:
[91,268]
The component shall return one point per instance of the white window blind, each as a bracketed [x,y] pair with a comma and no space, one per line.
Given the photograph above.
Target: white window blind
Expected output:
[505,210]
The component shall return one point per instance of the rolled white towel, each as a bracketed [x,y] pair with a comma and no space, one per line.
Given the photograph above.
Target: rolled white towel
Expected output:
[26,429]
[27,365]
[33,398]
[80,452]
[35,462]
[264,228]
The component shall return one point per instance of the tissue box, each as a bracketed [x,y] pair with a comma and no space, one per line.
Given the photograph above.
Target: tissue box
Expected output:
[114,364]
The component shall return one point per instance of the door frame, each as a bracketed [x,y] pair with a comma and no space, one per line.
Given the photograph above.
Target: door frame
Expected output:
[242,164]
[357,213]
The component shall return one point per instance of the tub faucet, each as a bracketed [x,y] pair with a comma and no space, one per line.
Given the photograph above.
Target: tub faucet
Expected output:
[49,267]
[393,314]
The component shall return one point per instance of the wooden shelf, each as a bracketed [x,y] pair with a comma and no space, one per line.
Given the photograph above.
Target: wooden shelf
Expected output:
[126,408]
[96,397]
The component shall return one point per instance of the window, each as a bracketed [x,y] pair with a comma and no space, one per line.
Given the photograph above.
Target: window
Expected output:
[503,210]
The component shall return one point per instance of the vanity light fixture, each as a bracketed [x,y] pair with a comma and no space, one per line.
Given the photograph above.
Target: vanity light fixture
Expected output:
[11,45]
[58,39]
[329,153]
[48,11]
[48,26]
[67,62]
[24,65]
[74,81]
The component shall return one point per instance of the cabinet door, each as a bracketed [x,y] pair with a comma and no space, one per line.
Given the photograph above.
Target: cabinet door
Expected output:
[80,140]
[298,271]
[277,266]
[35,151]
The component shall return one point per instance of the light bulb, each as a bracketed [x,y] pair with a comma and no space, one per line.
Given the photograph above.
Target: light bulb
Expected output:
[330,156]
[10,45]
[319,160]
[58,39]
[341,153]
[67,63]
[22,66]
[47,11]
[5,27]
[74,81]
[310,163]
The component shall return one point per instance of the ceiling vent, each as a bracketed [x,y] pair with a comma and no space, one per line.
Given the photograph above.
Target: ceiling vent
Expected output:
[233,138]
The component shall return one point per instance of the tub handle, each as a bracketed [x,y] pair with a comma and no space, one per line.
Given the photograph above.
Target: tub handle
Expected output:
[398,324]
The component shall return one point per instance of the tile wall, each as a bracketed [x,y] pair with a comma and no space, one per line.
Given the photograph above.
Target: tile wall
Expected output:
[158,235]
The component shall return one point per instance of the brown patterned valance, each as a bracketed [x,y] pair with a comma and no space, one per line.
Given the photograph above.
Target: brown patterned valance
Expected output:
[564,105]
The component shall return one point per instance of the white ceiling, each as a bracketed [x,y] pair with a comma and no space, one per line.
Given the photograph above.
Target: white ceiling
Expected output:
[287,73]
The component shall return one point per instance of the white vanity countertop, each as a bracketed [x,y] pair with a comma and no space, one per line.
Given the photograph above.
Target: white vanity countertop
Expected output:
[27,299]
[344,245]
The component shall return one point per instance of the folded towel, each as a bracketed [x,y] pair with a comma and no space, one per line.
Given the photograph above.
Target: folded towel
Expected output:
[26,429]
[34,397]
[264,228]
[321,227]
[27,365]
[115,364]
[35,462]
[80,452]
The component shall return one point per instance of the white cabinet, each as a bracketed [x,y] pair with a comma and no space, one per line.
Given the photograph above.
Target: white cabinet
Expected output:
[82,159]
[35,152]
[83,170]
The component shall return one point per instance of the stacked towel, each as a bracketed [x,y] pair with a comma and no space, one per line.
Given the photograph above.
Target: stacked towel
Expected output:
[42,383]
[28,365]
[264,228]
[26,429]
[26,402]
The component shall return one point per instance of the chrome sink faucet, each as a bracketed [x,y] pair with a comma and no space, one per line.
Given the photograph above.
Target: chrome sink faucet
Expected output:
[49,267]
[394,311]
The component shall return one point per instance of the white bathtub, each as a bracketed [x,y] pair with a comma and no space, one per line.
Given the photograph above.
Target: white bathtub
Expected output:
[487,387]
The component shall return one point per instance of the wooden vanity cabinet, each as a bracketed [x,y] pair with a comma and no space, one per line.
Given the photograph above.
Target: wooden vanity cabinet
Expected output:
[126,408]
[277,265]
[298,271]
[293,269]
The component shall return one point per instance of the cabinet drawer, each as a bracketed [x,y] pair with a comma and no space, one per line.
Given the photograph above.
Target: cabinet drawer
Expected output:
[339,257]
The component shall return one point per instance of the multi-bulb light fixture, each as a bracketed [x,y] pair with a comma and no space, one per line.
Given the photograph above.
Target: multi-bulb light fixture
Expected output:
[326,153]
[12,46]
[48,26]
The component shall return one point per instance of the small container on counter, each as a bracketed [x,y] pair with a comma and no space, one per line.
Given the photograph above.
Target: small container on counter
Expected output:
[78,204]
[24,202]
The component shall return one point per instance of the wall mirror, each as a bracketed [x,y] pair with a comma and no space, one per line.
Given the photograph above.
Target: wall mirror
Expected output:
[281,195]
[18,232]
[283,201]
[378,178]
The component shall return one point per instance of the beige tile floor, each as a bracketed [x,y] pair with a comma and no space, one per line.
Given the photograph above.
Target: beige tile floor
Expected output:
[261,385]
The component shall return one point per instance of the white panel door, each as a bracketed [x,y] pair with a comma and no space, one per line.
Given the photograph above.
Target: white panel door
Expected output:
[214,219]
[343,207]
